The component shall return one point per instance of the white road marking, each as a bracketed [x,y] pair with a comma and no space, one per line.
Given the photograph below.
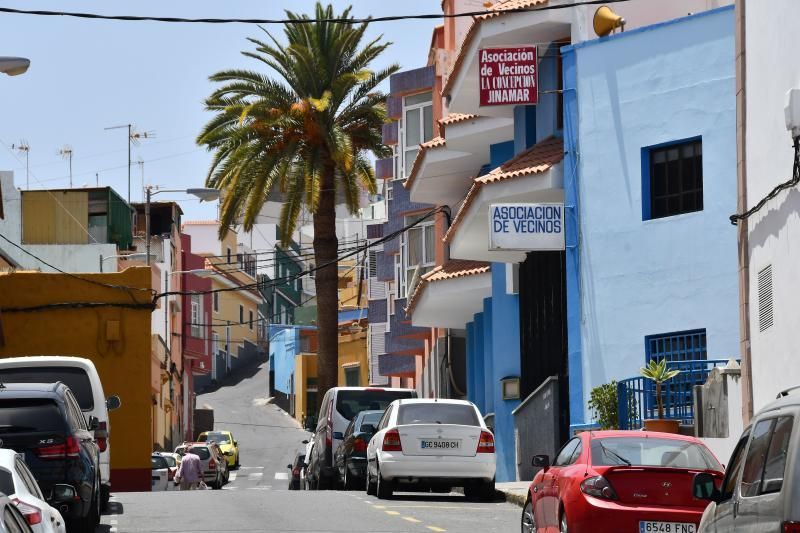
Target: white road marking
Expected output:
[281,475]
[232,476]
[255,475]
[251,468]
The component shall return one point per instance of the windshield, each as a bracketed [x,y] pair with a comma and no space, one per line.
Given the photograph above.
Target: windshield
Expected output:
[202,453]
[157,462]
[372,417]
[7,483]
[649,451]
[219,438]
[23,415]
[171,462]
[437,413]
[351,402]
[75,378]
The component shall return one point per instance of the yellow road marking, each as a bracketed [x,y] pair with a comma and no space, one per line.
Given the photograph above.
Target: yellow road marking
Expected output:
[379,506]
[393,513]
[410,519]
[434,528]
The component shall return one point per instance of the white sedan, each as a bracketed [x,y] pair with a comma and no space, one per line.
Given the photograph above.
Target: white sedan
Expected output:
[423,444]
[18,483]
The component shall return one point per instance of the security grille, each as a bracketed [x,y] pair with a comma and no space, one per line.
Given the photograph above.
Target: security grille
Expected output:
[765,315]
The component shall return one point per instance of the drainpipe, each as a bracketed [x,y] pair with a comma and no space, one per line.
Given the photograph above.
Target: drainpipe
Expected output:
[741,202]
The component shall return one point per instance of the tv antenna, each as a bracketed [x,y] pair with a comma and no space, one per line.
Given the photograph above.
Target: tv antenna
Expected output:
[24,147]
[134,137]
[66,153]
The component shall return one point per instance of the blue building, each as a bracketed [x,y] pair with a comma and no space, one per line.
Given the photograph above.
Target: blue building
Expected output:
[650,169]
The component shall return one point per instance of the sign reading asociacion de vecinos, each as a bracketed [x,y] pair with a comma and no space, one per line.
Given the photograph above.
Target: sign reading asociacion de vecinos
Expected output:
[526,227]
[508,75]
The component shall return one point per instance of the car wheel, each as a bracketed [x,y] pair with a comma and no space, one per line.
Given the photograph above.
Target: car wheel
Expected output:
[562,524]
[371,488]
[349,481]
[385,489]
[528,520]
[236,464]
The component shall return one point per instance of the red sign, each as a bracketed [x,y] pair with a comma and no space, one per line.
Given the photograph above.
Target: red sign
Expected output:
[509,76]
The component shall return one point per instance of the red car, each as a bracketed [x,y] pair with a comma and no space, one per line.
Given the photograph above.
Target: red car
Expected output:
[620,481]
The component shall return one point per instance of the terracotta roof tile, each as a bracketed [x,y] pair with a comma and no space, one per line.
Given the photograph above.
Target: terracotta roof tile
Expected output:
[495,11]
[537,159]
[455,118]
[456,268]
[199,222]
[436,142]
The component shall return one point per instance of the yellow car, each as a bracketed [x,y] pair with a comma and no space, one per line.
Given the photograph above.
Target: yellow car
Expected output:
[226,443]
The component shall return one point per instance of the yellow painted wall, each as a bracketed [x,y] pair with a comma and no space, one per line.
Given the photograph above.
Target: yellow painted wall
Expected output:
[305,367]
[55,217]
[353,349]
[122,360]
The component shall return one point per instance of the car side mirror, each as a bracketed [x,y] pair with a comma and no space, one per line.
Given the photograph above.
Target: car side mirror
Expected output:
[236,443]
[113,402]
[93,423]
[367,428]
[704,488]
[289,467]
[63,493]
[541,461]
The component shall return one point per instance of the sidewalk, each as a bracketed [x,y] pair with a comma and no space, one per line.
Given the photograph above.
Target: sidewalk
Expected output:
[515,492]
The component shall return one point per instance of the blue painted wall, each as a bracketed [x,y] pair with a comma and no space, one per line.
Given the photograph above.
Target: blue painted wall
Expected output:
[637,277]
[283,346]
[505,363]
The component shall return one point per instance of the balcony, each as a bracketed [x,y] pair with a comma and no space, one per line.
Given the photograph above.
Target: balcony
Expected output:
[636,396]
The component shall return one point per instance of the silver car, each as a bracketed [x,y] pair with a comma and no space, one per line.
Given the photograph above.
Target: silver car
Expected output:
[761,489]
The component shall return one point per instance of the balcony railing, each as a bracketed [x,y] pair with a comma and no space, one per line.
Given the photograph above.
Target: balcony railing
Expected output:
[636,397]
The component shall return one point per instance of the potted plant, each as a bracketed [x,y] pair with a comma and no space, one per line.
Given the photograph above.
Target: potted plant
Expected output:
[658,372]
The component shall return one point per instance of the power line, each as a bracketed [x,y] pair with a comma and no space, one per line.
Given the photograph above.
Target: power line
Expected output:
[348,21]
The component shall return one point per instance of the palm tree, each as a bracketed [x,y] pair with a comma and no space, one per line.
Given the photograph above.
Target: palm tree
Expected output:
[301,135]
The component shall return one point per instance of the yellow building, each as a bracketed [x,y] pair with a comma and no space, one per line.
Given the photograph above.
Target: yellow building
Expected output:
[47,314]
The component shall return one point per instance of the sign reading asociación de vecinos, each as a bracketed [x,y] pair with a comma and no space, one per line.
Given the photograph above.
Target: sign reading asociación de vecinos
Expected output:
[508,75]
[526,227]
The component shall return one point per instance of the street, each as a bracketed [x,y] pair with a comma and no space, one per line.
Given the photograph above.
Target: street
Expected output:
[258,499]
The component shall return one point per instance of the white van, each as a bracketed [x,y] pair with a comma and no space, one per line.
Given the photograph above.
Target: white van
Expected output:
[81,376]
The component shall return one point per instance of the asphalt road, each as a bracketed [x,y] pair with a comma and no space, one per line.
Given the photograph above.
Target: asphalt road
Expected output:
[257,499]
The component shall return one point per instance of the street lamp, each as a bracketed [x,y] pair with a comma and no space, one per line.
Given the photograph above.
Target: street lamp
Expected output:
[14,66]
[204,194]
[137,255]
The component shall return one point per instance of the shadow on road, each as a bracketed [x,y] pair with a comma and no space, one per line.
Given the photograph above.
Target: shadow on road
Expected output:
[426,497]
[114,508]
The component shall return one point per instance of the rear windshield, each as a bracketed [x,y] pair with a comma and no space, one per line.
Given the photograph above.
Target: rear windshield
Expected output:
[219,438]
[202,453]
[649,451]
[157,463]
[24,415]
[437,413]
[371,418]
[170,460]
[75,378]
[351,402]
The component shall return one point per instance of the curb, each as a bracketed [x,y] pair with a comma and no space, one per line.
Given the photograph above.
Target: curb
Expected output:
[507,496]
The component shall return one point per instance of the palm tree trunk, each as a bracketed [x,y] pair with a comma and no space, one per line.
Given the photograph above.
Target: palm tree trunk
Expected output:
[326,247]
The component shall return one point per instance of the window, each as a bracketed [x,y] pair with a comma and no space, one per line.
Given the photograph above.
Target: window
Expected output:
[675,182]
[251,319]
[766,457]
[75,378]
[197,331]
[437,413]
[417,126]
[352,377]
[732,472]
[216,302]
[389,193]
[417,253]
[241,314]
[373,264]
[351,402]
[566,453]
[652,451]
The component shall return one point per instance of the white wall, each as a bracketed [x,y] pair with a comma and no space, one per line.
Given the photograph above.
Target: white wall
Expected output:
[67,257]
[204,237]
[774,232]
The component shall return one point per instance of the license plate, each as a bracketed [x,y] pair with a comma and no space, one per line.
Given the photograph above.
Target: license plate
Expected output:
[666,527]
[440,444]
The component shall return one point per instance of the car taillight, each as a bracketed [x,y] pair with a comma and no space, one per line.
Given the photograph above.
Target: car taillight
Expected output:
[391,441]
[212,464]
[69,449]
[486,443]
[599,487]
[32,514]
[791,527]
[329,428]
[101,436]
[296,471]
[359,445]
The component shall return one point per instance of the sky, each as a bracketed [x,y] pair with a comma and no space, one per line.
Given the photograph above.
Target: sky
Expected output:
[87,75]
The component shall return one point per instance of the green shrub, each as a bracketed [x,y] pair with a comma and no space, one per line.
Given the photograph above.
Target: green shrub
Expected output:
[603,405]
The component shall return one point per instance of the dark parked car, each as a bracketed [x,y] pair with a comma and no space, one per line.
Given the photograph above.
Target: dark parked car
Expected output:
[45,422]
[351,456]
[296,470]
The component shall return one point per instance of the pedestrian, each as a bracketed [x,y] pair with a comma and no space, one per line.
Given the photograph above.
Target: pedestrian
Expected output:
[190,473]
